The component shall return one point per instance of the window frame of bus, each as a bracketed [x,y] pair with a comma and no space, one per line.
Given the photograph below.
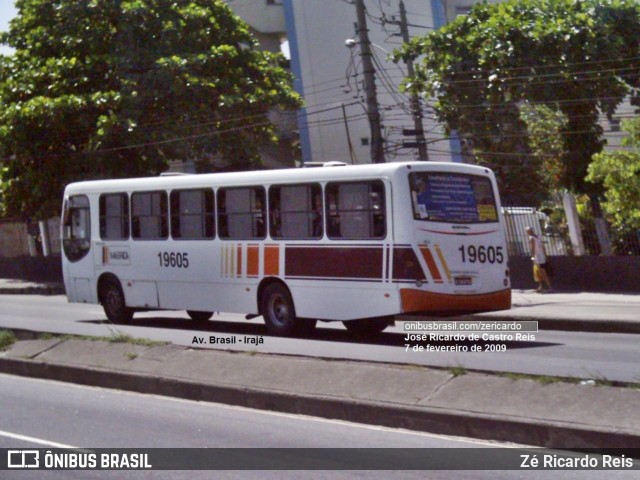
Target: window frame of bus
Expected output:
[329,215]
[223,230]
[163,216]
[314,189]
[204,215]
[414,201]
[125,220]
[76,248]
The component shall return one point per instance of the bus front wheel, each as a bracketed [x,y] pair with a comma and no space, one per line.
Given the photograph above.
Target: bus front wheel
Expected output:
[114,304]
[277,310]
[368,326]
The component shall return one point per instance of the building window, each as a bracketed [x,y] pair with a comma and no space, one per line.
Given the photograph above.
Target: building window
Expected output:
[355,210]
[295,212]
[149,216]
[241,213]
[114,216]
[192,214]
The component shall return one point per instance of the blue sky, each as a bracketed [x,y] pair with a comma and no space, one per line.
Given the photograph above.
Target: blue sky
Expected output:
[7,12]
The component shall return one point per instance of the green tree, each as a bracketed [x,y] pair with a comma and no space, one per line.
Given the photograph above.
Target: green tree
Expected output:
[579,58]
[115,88]
[619,172]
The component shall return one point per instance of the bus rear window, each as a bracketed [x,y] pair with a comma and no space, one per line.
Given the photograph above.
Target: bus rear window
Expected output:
[452,198]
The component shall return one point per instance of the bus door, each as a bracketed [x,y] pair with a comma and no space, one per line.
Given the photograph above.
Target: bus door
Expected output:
[76,244]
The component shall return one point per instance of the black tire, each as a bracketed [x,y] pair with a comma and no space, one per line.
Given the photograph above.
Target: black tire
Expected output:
[113,302]
[278,311]
[368,326]
[199,316]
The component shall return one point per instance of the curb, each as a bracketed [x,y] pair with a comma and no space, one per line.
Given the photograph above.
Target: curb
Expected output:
[433,420]
[40,290]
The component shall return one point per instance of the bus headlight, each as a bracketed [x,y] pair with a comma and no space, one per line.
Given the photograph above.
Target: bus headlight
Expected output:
[418,283]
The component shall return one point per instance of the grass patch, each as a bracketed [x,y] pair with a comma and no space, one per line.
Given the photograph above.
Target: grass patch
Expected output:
[7,338]
[457,371]
[543,379]
[120,337]
[115,337]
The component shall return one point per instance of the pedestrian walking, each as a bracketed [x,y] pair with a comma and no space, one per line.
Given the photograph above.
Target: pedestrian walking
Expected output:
[539,259]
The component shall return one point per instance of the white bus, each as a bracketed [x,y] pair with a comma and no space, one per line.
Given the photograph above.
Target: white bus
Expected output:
[358,244]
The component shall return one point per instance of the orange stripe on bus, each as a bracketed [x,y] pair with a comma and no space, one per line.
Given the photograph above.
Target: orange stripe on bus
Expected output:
[271,259]
[431,263]
[420,301]
[239,264]
[443,262]
[253,254]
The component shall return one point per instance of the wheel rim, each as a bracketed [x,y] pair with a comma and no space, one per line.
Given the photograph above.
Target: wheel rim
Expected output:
[113,300]
[278,310]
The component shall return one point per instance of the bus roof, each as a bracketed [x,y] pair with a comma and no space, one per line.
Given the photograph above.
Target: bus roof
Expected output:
[266,177]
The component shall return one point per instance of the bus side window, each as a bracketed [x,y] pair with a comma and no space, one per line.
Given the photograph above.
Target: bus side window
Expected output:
[242,213]
[356,210]
[296,211]
[149,216]
[76,228]
[114,216]
[192,214]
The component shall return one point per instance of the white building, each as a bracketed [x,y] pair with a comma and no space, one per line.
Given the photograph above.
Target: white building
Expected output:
[322,41]
[320,38]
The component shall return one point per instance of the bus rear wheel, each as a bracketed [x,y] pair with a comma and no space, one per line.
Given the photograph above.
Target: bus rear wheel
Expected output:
[199,316]
[113,303]
[278,310]
[368,326]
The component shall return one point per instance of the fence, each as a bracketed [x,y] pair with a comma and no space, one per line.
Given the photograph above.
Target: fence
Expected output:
[556,237]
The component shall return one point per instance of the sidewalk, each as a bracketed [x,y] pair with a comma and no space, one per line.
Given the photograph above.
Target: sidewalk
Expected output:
[10,286]
[525,411]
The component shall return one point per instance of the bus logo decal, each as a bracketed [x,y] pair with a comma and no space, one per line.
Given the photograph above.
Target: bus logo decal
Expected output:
[115,256]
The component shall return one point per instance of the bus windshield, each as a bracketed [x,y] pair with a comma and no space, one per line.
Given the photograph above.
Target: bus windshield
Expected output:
[452,198]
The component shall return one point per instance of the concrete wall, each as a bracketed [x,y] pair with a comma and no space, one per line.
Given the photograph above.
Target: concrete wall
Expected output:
[32,269]
[582,274]
[13,239]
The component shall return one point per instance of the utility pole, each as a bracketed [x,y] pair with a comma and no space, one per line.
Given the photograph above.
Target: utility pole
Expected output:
[346,127]
[416,110]
[377,150]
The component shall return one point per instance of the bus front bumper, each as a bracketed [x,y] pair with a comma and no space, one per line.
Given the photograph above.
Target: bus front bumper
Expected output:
[420,301]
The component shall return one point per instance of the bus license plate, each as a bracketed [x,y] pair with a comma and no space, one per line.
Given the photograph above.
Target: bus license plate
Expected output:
[463,281]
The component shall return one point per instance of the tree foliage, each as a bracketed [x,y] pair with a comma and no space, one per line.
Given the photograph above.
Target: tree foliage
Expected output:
[114,88]
[579,58]
[619,172]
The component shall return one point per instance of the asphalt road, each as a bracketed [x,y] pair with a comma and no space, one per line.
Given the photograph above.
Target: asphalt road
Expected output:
[46,414]
[584,355]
